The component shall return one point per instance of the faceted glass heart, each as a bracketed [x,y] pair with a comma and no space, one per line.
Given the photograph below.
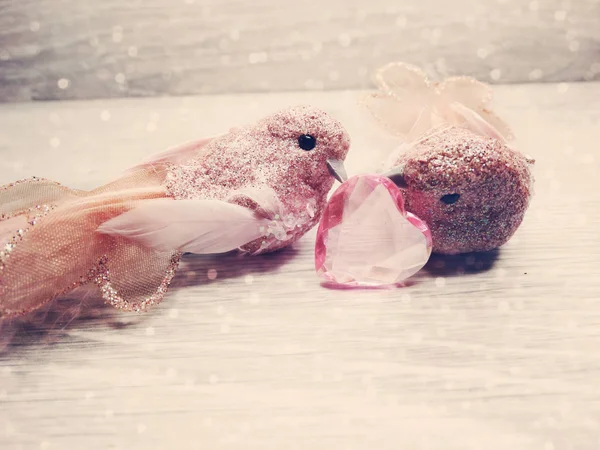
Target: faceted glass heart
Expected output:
[366,238]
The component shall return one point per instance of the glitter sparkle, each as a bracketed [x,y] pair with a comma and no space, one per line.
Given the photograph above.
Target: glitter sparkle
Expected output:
[268,154]
[493,180]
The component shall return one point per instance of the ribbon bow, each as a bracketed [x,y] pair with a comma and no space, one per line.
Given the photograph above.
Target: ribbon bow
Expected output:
[408,104]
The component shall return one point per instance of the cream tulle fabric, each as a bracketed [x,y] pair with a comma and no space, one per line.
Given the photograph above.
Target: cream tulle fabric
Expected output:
[408,104]
[49,244]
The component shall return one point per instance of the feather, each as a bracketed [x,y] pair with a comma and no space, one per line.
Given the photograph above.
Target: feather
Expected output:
[499,124]
[263,199]
[178,154]
[195,226]
[476,123]
[475,95]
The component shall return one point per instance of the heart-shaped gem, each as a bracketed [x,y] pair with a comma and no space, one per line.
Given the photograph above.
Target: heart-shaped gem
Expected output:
[366,237]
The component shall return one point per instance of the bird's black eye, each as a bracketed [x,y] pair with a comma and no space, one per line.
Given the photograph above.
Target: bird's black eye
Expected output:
[307,142]
[449,199]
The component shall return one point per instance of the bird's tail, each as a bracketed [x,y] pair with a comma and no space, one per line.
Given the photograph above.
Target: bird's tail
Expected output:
[49,244]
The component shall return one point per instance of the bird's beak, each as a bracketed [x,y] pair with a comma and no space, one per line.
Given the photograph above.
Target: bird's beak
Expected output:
[337,170]
[396,174]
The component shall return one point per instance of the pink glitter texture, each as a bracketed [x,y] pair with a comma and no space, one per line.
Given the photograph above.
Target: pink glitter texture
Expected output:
[54,239]
[267,154]
[493,183]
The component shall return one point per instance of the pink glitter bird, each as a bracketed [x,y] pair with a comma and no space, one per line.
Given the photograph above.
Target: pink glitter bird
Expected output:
[256,189]
[456,169]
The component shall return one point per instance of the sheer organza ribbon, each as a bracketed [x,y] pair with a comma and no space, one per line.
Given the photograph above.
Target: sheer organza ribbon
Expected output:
[409,105]
[48,244]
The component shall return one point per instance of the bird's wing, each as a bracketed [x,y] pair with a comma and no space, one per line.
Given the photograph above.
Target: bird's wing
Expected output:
[260,198]
[178,154]
[195,226]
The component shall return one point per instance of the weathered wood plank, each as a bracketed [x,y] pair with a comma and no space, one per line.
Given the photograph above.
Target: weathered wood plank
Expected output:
[263,357]
[159,47]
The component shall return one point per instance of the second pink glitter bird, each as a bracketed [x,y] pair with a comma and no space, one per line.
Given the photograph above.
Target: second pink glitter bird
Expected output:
[465,187]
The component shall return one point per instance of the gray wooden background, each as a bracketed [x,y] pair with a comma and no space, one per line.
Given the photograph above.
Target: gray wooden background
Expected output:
[66,49]
[496,351]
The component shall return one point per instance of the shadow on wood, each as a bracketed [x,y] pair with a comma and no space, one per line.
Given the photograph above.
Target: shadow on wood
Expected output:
[84,308]
[204,269]
[453,265]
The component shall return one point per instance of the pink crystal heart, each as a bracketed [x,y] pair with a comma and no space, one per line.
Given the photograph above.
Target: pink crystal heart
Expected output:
[366,237]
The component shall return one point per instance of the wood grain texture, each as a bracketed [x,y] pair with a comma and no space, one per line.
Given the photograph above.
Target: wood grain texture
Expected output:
[160,47]
[491,352]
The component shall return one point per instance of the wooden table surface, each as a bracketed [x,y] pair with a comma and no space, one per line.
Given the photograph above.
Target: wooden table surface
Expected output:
[498,351]
[73,49]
